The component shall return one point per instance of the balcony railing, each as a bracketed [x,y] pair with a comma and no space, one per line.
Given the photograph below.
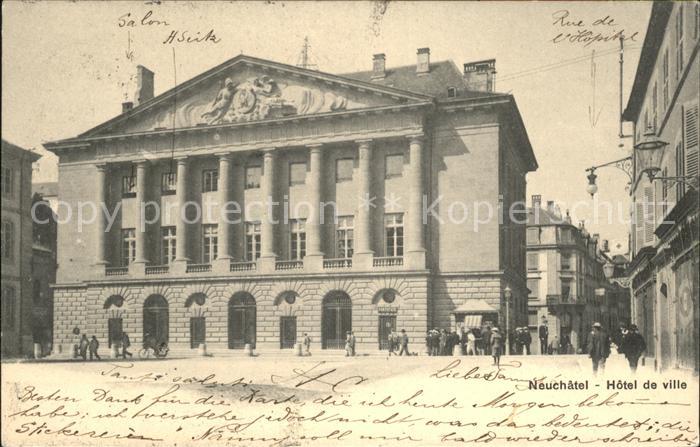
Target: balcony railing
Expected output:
[289,265]
[116,271]
[198,268]
[387,261]
[245,266]
[338,263]
[157,269]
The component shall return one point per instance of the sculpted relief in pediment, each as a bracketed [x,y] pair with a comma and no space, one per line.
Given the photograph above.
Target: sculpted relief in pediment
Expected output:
[263,97]
[247,96]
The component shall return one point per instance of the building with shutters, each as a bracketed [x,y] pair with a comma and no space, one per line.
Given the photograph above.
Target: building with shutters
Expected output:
[331,203]
[663,106]
[568,288]
[16,248]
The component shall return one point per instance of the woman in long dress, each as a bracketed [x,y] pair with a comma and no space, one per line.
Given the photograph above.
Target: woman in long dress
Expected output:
[496,346]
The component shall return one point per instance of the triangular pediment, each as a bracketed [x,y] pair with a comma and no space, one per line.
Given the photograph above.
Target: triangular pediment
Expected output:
[247,89]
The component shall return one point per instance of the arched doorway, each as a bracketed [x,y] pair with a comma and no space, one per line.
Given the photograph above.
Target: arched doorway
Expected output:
[241,320]
[336,319]
[155,319]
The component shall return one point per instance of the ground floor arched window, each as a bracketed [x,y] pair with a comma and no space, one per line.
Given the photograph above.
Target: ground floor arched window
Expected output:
[241,321]
[336,319]
[155,319]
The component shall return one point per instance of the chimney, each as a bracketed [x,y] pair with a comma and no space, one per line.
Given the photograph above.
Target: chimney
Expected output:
[127,106]
[144,85]
[480,76]
[536,201]
[379,66]
[423,62]
[550,205]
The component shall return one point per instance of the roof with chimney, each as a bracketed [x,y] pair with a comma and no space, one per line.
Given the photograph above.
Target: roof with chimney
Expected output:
[435,82]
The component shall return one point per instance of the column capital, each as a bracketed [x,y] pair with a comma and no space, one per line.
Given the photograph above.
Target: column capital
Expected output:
[367,142]
[101,166]
[268,151]
[416,137]
[181,158]
[224,155]
[316,147]
[141,162]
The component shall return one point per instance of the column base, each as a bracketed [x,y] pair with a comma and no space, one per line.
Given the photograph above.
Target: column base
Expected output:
[221,265]
[178,266]
[415,260]
[363,261]
[99,268]
[266,264]
[313,262]
[138,268]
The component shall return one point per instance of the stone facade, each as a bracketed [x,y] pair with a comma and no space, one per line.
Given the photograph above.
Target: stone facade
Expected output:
[416,165]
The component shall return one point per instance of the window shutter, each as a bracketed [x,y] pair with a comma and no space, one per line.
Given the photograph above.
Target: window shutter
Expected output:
[690,138]
[639,226]
[649,220]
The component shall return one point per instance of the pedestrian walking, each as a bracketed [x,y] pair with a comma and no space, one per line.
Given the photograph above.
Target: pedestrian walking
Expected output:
[527,340]
[632,346]
[554,346]
[307,344]
[352,343]
[435,342]
[83,347]
[443,342]
[543,332]
[598,348]
[486,336]
[403,339]
[348,348]
[94,346]
[125,345]
[471,342]
[496,346]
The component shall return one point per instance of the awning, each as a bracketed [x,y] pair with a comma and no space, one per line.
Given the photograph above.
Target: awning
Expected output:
[472,321]
[475,306]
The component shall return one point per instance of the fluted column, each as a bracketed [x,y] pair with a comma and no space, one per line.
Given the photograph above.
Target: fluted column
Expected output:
[181,228]
[363,254]
[415,243]
[141,173]
[101,221]
[267,229]
[224,188]
[313,223]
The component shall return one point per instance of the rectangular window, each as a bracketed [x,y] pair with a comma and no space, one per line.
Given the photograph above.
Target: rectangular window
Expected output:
[665,80]
[393,227]
[8,240]
[654,106]
[297,239]
[8,181]
[393,166]
[128,254]
[129,186]
[679,42]
[343,169]
[533,261]
[534,286]
[566,261]
[691,139]
[198,331]
[168,182]
[297,173]
[451,92]
[9,306]
[680,169]
[209,243]
[344,237]
[167,244]
[532,319]
[210,180]
[533,235]
[252,177]
[252,241]
[565,290]
[664,194]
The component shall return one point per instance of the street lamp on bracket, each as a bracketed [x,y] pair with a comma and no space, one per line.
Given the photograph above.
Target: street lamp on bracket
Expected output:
[648,156]
[609,271]
[623,164]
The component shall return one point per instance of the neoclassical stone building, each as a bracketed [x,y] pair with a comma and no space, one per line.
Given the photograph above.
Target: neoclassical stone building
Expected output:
[259,201]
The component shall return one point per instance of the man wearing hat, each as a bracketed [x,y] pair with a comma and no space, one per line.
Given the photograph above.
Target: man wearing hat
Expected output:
[496,346]
[598,347]
[633,345]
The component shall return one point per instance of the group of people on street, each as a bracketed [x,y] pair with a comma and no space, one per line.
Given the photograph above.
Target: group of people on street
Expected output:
[629,342]
[85,346]
[469,341]
[398,343]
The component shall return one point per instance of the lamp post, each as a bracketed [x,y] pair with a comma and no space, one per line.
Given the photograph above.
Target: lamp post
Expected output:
[507,295]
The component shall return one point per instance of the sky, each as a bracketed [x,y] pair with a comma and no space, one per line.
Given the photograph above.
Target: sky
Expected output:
[68,66]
